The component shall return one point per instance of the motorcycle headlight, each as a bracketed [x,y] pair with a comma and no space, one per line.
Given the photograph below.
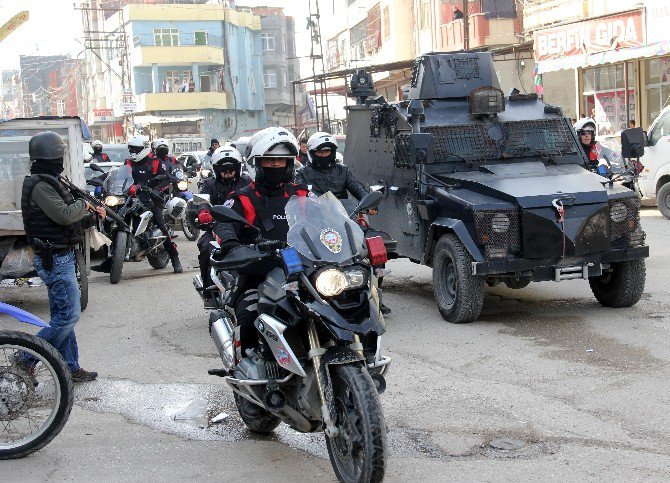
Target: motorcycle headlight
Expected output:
[182,185]
[113,200]
[331,282]
[204,173]
[355,278]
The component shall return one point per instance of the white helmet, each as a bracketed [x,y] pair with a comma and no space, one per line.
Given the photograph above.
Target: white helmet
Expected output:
[226,156]
[320,140]
[272,142]
[138,147]
[96,144]
[585,124]
[161,142]
[176,208]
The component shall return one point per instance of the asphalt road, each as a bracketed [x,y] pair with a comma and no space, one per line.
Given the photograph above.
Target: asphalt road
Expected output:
[547,385]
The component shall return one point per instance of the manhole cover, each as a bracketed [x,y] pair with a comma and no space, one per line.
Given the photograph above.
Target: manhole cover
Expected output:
[507,444]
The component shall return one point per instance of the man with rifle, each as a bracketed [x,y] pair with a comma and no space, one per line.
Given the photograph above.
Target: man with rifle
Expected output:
[54,223]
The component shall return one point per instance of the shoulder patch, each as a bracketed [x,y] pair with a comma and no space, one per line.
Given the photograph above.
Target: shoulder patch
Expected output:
[229,203]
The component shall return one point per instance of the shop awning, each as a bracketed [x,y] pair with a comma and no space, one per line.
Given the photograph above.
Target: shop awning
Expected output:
[600,58]
[148,119]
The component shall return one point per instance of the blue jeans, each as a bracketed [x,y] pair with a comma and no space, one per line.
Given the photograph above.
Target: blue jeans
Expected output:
[64,302]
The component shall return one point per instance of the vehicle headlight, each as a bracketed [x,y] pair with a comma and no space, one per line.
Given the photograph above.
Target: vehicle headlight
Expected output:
[204,173]
[618,212]
[331,282]
[113,200]
[500,223]
[182,185]
[355,278]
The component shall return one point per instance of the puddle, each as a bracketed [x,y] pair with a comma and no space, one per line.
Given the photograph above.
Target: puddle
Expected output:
[156,405]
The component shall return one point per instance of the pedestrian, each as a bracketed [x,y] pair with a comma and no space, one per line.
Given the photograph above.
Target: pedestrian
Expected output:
[54,223]
[303,155]
[631,123]
[458,15]
[191,85]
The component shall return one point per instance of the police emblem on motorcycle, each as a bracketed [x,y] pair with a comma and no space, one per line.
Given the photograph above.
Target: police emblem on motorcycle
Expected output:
[229,203]
[332,240]
[283,357]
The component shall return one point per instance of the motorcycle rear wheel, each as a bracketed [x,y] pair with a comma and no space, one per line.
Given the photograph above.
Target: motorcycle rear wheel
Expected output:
[82,278]
[31,415]
[358,452]
[159,259]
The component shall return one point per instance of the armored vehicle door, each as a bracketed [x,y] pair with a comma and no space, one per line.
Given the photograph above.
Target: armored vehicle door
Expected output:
[372,135]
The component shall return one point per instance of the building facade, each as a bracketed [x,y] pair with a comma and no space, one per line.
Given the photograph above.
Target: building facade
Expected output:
[610,58]
[187,73]
[49,85]
[10,94]
[280,64]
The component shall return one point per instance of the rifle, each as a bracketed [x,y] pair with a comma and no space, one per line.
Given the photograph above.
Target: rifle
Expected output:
[77,192]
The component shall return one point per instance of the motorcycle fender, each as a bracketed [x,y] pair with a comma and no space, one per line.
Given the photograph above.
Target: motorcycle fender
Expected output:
[21,315]
[273,332]
[145,218]
[459,229]
[335,356]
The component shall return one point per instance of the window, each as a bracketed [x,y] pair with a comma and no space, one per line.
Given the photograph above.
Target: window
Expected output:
[60,107]
[205,83]
[269,79]
[268,42]
[200,37]
[172,82]
[357,40]
[424,18]
[166,37]
[604,97]
[662,128]
[285,79]
[657,76]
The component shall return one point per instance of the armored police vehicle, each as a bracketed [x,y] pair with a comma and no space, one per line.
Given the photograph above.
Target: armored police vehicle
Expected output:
[487,188]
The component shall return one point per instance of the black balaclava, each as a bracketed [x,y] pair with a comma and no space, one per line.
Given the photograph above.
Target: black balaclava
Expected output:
[52,167]
[97,150]
[324,162]
[273,178]
[162,151]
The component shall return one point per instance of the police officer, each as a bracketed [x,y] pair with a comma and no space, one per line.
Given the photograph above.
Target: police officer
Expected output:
[161,151]
[227,167]
[262,203]
[324,173]
[586,132]
[145,167]
[98,155]
[54,224]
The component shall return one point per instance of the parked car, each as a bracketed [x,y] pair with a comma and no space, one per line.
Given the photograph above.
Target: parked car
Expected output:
[654,179]
[191,161]
[116,152]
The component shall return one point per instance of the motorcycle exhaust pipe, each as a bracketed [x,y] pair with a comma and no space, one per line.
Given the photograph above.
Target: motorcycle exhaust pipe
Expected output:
[221,331]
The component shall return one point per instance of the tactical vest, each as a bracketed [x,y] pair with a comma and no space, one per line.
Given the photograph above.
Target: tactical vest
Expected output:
[268,212]
[38,225]
[219,191]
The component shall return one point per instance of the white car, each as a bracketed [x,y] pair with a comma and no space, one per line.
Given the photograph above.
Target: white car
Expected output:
[655,177]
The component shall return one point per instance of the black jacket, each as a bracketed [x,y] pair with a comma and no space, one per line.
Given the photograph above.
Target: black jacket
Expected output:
[270,217]
[219,190]
[336,179]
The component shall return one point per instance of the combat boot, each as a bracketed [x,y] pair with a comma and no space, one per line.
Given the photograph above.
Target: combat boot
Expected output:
[176,264]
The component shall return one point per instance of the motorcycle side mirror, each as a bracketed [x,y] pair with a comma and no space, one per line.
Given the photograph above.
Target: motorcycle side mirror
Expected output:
[94,182]
[369,201]
[95,167]
[227,215]
[378,187]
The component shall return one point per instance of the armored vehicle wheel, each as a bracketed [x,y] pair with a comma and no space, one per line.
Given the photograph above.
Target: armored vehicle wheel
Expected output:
[622,286]
[663,199]
[459,294]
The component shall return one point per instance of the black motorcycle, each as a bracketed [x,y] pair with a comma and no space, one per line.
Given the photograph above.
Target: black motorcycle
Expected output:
[317,364]
[141,238]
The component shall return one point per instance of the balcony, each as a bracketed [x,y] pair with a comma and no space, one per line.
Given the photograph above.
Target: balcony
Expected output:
[483,32]
[182,101]
[185,50]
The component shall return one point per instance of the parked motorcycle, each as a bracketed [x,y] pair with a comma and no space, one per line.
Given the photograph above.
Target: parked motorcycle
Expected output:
[35,403]
[141,238]
[317,364]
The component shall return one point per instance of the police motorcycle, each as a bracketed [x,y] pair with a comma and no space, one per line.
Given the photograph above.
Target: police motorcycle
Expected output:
[35,402]
[318,363]
[175,218]
[141,239]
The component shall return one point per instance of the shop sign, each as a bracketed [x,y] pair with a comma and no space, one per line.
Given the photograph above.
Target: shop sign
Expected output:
[128,104]
[610,110]
[591,36]
[103,115]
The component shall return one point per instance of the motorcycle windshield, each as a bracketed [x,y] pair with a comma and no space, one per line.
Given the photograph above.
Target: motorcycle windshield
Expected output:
[320,230]
[119,180]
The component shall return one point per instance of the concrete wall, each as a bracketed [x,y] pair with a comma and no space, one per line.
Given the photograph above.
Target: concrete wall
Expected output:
[560,90]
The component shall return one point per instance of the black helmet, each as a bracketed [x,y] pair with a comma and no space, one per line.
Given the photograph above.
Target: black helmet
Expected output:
[46,145]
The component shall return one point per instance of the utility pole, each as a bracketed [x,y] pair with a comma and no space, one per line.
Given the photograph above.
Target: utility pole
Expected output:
[316,53]
[466,24]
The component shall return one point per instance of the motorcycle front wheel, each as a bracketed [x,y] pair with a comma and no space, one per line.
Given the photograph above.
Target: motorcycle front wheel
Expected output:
[190,232]
[358,451]
[118,256]
[158,259]
[34,403]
